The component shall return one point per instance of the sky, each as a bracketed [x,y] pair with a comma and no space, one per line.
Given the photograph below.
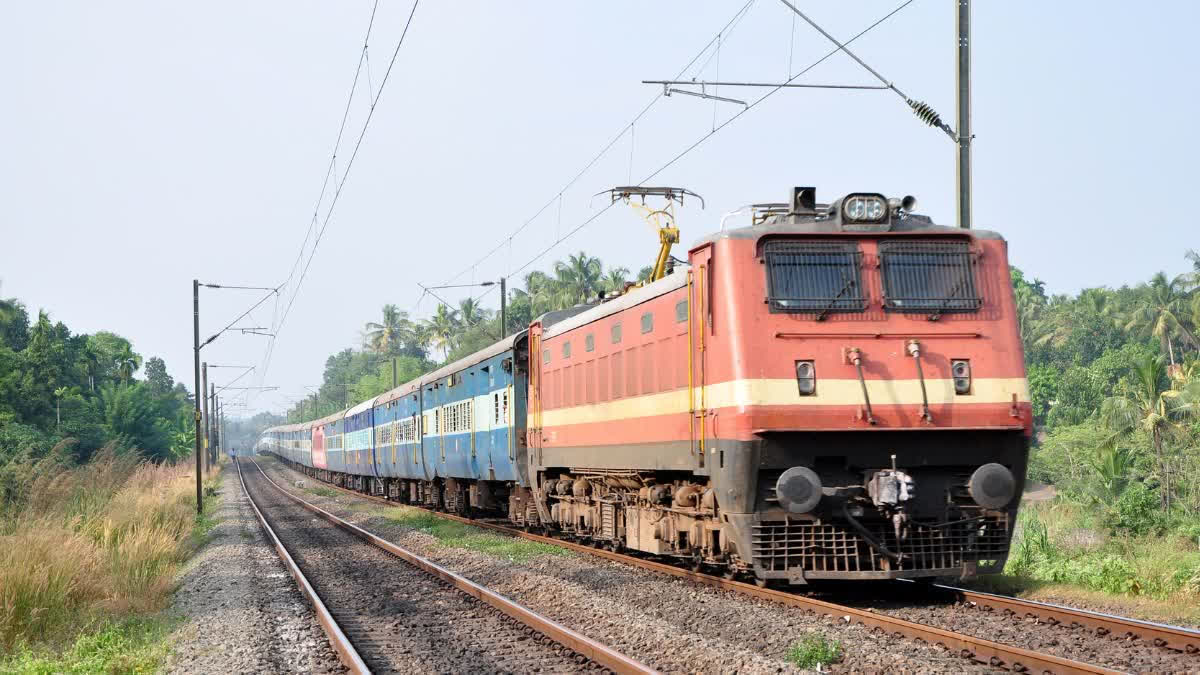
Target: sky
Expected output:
[147,144]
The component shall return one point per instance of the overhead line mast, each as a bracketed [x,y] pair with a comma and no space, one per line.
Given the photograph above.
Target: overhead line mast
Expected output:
[964,113]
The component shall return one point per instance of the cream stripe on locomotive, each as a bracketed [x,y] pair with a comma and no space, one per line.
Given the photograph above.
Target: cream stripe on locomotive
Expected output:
[763,392]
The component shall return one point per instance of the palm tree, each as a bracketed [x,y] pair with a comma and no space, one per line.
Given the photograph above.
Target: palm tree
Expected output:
[59,393]
[615,280]
[645,273]
[544,293]
[1162,313]
[127,363]
[1146,406]
[441,329]
[470,313]
[387,337]
[91,366]
[1194,275]
[580,276]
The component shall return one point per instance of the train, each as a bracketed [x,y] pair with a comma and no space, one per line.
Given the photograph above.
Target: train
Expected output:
[832,392]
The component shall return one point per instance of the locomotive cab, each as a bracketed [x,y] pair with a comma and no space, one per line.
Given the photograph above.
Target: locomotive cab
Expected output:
[878,418]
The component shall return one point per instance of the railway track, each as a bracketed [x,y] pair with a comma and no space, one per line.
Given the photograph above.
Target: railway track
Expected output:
[410,615]
[980,650]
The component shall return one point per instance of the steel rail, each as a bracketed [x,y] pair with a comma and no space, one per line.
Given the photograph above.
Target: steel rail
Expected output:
[979,650]
[346,652]
[579,643]
[1180,639]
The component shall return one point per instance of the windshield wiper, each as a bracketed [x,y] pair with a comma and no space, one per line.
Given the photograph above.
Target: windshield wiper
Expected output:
[848,285]
[937,313]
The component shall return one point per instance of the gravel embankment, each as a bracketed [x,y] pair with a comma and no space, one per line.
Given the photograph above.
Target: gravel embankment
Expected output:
[241,611]
[668,623]
[401,618]
[1079,644]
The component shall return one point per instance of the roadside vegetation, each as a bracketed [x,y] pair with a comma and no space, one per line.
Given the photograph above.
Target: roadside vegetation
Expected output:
[96,510]
[1114,376]
[88,558]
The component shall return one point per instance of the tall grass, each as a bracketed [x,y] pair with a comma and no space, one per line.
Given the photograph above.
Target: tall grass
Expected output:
[1064,543]
[83,547]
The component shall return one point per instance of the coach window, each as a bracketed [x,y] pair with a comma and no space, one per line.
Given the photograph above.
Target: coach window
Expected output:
[589,343]
[546,356]
[647,322]
[567,349]
[681,311]
[616,333]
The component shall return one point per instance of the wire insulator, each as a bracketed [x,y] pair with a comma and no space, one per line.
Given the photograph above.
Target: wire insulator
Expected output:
[926,113]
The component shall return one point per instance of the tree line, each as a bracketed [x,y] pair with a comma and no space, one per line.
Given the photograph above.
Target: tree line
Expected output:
[1114,376]
[81,392]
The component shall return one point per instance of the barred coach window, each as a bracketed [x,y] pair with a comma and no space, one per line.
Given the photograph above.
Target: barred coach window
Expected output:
[935,277]
[813,277]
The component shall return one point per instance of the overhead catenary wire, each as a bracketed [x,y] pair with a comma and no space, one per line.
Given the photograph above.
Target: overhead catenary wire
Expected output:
[628,127]
[340,184]
[329,169]
[773,91]
[349,164]
[240,317]
[923,110]
[592,218]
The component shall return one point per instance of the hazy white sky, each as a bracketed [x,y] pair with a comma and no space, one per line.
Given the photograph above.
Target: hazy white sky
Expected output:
[145,144]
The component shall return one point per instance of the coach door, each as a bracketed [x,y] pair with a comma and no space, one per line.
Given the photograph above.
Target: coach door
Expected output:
[534,425]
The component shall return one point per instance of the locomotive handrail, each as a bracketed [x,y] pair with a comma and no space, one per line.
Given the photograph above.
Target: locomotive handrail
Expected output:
[881,336]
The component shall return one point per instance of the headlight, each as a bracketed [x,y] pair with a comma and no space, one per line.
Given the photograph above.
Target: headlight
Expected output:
[960,370]
[806,378]
[864,208]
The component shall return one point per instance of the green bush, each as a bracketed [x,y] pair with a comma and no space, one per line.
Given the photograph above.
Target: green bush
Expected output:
[814,651]
[1137,511]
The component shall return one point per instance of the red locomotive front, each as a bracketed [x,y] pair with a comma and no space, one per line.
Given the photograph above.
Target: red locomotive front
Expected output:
[836,391]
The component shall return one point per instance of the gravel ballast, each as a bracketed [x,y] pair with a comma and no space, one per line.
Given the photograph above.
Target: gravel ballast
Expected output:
[401,618]
[1076,643]
[668,623]
[240,609]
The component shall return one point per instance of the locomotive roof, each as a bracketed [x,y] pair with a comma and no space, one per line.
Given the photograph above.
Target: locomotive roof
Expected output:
[585,315]
[910,224]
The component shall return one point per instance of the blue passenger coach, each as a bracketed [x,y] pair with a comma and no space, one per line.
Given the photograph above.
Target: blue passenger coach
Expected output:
[359,434]
[454,438]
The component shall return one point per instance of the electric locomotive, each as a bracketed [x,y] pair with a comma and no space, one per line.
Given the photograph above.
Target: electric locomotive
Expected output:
[836,391]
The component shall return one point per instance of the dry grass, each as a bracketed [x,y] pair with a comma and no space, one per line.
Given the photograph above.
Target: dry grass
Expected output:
[90,545]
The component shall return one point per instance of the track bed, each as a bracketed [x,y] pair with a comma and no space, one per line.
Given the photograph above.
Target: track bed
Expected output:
[398,617]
